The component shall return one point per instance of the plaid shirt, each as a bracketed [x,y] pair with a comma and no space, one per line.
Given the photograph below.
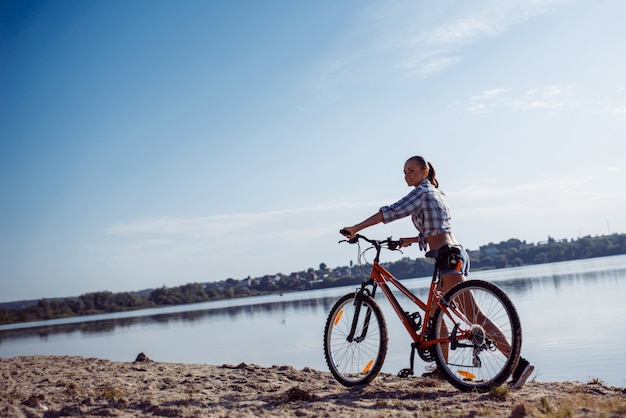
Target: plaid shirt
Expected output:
[428,209]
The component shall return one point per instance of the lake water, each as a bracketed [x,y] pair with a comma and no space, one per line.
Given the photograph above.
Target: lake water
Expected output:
[573,317]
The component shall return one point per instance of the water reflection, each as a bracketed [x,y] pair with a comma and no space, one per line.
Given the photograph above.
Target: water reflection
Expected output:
[523,285]
[514,286]
[109,326]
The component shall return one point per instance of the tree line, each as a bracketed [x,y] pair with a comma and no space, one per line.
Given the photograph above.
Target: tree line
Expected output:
[515,253]
[509,253]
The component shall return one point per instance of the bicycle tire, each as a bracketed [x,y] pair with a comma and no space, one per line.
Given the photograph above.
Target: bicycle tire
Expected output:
[477,363]
[357,362]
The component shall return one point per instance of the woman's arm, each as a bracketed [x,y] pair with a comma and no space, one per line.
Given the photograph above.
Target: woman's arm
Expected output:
[372,220]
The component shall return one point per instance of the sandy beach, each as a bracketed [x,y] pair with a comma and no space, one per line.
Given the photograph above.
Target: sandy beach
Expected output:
[53,386]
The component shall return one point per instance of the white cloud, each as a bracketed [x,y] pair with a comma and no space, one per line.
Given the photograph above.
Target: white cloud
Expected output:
[618,111]
[234,245]
[150,225]
[549,97]
[488,94]
[562,207]
[465,30]
[540,98]
[429,50]
[225,224]
[550,200]
[429,63]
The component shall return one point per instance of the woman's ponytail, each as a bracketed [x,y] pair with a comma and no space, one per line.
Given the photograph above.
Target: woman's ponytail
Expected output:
[432,175]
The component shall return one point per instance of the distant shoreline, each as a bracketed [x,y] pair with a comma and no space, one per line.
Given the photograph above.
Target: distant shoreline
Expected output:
[106,302]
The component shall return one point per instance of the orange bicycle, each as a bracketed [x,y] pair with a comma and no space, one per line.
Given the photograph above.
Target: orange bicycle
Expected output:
[473,332]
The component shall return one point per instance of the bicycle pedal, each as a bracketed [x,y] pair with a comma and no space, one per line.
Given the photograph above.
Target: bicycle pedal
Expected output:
[405,373]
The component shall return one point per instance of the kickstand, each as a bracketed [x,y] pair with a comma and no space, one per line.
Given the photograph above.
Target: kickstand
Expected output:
[409,372]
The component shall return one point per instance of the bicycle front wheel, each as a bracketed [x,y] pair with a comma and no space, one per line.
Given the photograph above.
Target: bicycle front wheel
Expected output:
[358,360]
[483,333]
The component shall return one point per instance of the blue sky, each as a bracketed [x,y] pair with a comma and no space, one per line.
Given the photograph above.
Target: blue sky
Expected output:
[152,143]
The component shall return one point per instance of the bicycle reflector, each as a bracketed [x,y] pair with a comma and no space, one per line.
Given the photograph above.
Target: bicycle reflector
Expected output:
[339,315]
[368,367]
[467,375]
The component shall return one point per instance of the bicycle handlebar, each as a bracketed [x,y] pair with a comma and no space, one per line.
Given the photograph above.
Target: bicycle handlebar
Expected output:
[389,243]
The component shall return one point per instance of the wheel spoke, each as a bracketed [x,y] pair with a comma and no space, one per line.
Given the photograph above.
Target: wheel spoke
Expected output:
[484,359]
[357,361]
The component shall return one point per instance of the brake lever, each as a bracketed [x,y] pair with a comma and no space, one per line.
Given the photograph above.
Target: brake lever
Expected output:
[349,241]
[354,240]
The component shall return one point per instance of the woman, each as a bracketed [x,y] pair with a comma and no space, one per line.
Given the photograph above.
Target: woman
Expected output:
[431,216]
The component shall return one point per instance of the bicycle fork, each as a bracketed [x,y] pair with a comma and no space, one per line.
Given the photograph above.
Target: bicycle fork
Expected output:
[358,301]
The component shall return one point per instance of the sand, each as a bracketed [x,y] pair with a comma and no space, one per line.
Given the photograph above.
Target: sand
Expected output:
[52,386]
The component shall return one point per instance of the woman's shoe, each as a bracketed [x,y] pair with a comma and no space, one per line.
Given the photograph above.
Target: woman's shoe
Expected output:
[522,372]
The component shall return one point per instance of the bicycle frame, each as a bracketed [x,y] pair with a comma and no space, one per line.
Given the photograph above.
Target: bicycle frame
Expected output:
[381,277]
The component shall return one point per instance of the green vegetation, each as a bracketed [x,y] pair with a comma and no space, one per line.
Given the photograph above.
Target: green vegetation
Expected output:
[509,253]
[515,253]
[500,393]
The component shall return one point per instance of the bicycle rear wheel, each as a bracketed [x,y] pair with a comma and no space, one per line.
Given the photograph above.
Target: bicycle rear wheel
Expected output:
[359,361]
[486,356]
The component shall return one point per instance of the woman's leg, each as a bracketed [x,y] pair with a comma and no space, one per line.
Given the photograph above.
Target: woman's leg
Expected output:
[474,314]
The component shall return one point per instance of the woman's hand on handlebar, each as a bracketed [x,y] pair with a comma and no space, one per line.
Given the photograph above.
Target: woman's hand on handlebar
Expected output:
[405,242]
[348,232]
